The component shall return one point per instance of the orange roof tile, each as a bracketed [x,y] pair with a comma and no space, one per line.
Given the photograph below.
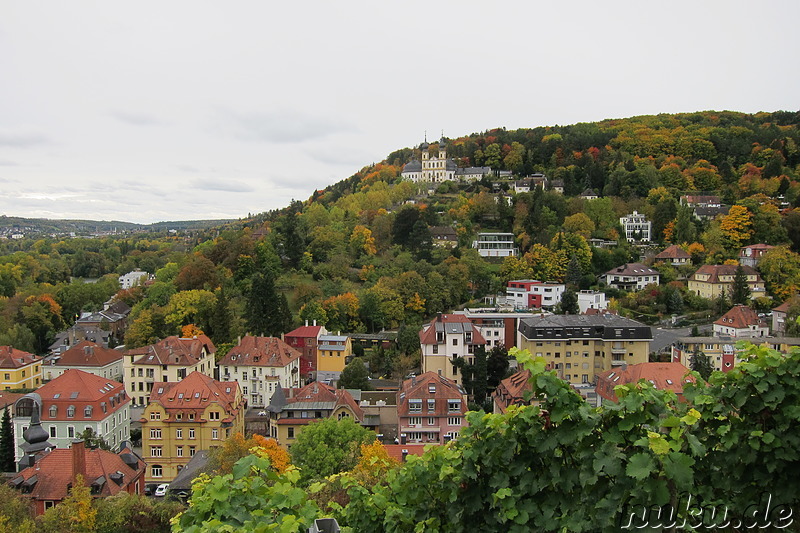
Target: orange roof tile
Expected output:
[174,351]
[452,324]
[420,387]
[260,351]
[396,450]
[318,392]
[673,252]
[195,392]
[305,332]
[87,353]
[664,376]
[716,271]
[10,357]
[740,317]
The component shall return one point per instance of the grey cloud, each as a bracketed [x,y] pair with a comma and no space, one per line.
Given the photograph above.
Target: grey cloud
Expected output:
[22,140]
[135,119]
[221,185]
[285,127]
[7,163]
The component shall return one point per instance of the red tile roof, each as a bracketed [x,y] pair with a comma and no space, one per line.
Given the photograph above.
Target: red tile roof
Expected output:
[716,271]
[450,324]
[195,393]
[664,376]
[511,390]
[87,353]
[318,392]
[740,317]
[419,387]
[305,332]
[10,357]
[396,450]
[673,252]
[55,473]
[260,351]
[174,351]
[81,389]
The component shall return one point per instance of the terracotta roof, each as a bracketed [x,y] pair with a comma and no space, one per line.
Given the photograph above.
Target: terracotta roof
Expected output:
[260,351]
[450,324]
[10,357]
[664,376]
[715,271]
[195,392]
[81,389]
[305,332]
[784,307]
[420,387]
[320,393]
[632,269]
[511,390]
[700,199]
[740,317]
[174,351]
[757,247]
[87,353]
[9,398]
[673,252]
[396,450]
[55,472]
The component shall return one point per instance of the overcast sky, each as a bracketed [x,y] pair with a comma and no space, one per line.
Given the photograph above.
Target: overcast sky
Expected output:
[172,110]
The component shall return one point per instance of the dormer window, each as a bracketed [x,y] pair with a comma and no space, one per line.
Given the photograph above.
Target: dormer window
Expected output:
[71,411]
[87,411]
[53,411]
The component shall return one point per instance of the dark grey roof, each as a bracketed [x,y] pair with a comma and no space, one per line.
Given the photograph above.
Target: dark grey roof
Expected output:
[413,166]
[196,466]
[451,165]
[473,170]
[607,326]
[278,401]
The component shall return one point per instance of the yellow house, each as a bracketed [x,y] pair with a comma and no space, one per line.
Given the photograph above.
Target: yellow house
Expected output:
[579,347]
[289,416]
[19,370]
[333,352]
[198,413]
[171,359]
[711,281]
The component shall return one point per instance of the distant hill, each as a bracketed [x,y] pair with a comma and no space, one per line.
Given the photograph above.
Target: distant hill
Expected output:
[45,226]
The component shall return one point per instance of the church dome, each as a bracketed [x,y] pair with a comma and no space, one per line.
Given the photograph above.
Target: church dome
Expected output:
[413,166]
[424,145]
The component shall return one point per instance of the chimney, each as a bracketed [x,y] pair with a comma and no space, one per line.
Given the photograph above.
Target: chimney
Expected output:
[315,322]
[306,322]
[403,439]
[78,459]
[405,454]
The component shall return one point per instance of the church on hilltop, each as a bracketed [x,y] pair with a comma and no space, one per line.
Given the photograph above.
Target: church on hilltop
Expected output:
[438,169]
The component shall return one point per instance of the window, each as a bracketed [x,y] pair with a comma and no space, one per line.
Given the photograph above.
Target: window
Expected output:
[415,421]
[414,406]
[155,451]
[71,432]
[52,432]
[191,433]
[431,421]
[343,415]
[454,421]
[87,411]
[214,433]
[7,376]
[213,415]
[155,433]
[435,349]
[155,415]
[71,411]
[431,404]
[453,406]
[191,416]
[49,504]
[179,433]
[179,451]
[192,450]
[156,471]
[53,411]
[290,433]
[455,342]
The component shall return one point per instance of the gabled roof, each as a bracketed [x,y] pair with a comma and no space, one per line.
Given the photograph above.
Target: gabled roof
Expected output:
[195,392]
[430,385]
[321,396]
[87,353]
[517,383]
[174,351]
[632,269]
[54,472]
[664,376]
[588,192]
[10,357]
[674,252]
[716,271]
[784,307]
[79,387]
[396,450]
[740,317]
[759,247]
[260,351]
[450,325]
[305,332]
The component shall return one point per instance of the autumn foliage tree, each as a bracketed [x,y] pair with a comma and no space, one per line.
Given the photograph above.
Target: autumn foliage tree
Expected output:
[222,458]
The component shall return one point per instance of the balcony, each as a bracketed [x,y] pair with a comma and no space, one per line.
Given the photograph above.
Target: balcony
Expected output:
[618,362]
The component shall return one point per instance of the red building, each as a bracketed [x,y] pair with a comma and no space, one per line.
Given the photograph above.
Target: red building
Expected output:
[106,473]
[430,409]
[305,340]
[663,376]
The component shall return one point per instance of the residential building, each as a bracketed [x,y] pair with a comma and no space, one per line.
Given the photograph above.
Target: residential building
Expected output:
[380,411]
[497,326]
[305,340]
[780,314]
[496,245]
[722,350]
[106,320]
[133,278]
[333,353]
[591,300]
[77,333]
[74,402]
[19,370]
[48,480]
[444,340]
[87,356]
[631,277]
[636,227]
[705,207]
[171,359]
[674,255]
[752,254]
[530,183]
[557,186]
[444,236]
[530,293]
[197,413]
[511,391]
[292,410]
[711,281]
[740,321]
[261,365]
[579,347]
[473,173]
[663,376]
[430,409]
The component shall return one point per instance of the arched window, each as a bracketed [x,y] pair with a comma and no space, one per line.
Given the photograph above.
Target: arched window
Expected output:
[87,411]
[53,411]
[70,411]
[343,415]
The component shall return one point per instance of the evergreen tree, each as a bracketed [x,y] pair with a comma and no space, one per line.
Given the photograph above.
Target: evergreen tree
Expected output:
[263,305]
[675,303]
[283,320]
[496,366]
[569,303]
[684,230]
[740,290]
[701,364]
[574,273]
[355,376]
[480,384]
[221,319]
[7,444]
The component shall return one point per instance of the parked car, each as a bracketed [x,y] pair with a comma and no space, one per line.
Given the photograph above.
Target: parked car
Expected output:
[161,490]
